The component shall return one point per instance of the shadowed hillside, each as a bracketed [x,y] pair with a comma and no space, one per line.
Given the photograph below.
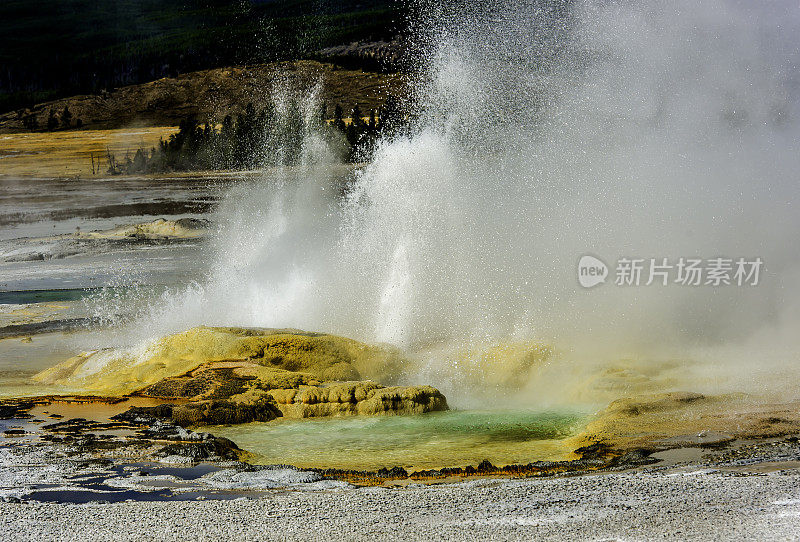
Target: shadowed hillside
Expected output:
[56,48]
[208,94]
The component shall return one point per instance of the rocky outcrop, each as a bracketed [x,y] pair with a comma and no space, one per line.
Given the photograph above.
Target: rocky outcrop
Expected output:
[662,421]
[319,356]
[210,376]
[224,392]
[208,412]
[362,398]
[153,428]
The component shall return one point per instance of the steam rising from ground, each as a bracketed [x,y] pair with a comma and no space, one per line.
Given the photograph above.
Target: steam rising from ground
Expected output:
[643,130]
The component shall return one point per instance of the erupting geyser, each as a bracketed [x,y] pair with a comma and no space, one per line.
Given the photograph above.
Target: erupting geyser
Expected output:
[538,134]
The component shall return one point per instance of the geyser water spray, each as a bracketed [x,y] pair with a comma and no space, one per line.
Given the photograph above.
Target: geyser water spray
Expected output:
[542,132]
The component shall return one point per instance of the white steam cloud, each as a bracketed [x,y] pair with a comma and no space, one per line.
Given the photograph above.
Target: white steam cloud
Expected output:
[621,129]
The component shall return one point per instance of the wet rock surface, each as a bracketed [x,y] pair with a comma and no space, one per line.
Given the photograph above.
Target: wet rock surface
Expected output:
[138,432]
[67,471]
[206,412]
[15,409]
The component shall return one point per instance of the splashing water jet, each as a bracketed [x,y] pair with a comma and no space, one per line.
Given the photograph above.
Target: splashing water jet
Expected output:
[540,134]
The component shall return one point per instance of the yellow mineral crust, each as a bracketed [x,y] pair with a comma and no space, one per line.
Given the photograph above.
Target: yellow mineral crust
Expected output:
[322,356]
[677,419]
[303,374]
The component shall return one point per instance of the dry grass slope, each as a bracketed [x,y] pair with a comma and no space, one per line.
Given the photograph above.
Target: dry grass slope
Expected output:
[211,94]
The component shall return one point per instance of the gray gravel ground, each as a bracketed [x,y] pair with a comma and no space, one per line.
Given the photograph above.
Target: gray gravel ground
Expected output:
[663,504]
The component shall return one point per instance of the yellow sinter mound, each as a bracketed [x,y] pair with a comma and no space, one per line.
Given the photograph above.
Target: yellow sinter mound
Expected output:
[324,357]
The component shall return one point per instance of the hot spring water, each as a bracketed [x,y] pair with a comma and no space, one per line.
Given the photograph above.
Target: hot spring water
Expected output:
[428,441]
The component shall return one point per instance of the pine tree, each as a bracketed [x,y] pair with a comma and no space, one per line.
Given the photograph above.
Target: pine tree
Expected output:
[139,164]
[66,117]
[323,112]
[31,122]
[52,121]
[373,121]
[357,118]
[245,123]
[338,121]
[391,115]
